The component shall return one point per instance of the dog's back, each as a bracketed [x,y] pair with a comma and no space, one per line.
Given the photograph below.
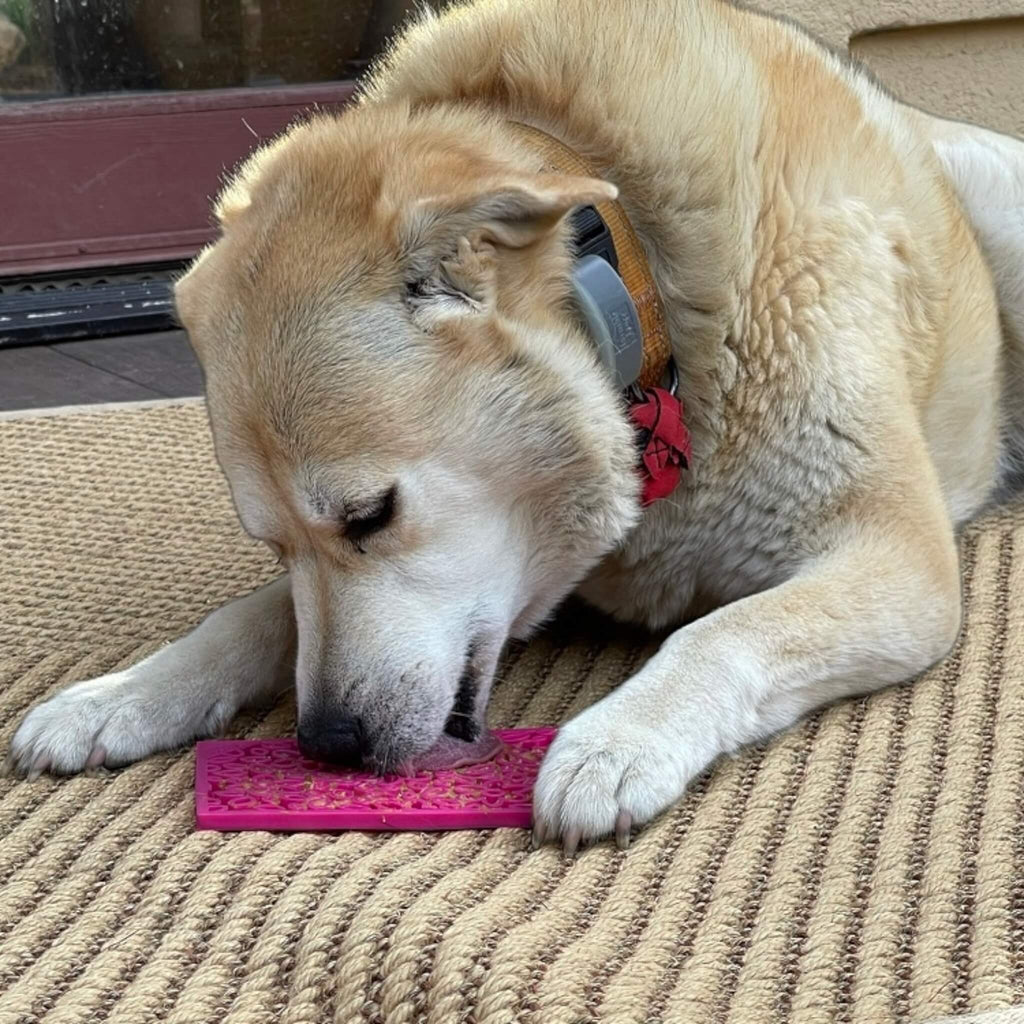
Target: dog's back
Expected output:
[986,169]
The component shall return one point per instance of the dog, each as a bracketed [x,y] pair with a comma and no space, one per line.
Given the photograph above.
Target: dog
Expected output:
[411,413]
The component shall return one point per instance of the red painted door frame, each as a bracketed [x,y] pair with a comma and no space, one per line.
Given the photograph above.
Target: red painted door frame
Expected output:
[110,181]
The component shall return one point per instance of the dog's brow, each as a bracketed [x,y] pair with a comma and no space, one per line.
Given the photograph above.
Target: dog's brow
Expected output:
[320,502]
[325,500]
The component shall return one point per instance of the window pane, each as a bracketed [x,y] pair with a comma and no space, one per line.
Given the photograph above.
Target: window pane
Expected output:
[54,48]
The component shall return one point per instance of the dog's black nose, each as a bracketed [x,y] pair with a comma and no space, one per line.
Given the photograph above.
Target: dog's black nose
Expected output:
[338,739]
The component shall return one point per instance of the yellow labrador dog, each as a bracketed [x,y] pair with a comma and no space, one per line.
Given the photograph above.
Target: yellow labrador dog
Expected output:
[410,410]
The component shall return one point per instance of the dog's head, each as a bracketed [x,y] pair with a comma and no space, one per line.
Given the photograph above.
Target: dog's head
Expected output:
[406,412]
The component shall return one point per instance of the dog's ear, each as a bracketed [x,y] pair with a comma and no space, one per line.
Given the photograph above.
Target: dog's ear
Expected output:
[515,213]
[462,286]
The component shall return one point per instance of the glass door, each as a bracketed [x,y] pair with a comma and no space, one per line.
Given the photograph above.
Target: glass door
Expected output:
[120,118]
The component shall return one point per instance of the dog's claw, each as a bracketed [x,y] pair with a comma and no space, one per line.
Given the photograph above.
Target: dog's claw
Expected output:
[622,825]
[97,757]
[40,765]
[571,843]
[539,835]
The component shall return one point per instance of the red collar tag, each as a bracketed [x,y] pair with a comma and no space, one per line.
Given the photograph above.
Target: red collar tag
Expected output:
[664,441]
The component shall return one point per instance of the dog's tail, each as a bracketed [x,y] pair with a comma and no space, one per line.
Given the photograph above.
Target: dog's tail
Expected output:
[986,169]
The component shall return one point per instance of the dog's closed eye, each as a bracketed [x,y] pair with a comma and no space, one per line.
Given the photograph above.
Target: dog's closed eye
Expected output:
[362,523]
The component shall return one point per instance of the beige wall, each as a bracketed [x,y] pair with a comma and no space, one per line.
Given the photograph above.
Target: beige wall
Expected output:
[962,58]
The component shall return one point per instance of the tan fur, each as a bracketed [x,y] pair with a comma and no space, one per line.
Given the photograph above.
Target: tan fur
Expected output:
[834,320]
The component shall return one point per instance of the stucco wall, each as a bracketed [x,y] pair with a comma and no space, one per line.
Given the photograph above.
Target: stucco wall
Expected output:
[962,58]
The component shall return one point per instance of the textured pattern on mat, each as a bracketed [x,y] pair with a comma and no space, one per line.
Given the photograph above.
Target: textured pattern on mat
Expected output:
[868,866]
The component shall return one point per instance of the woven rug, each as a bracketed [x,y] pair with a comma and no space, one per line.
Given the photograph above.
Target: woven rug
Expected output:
[867,866]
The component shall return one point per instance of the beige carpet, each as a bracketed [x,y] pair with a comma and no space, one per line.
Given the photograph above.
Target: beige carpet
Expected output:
[866,867]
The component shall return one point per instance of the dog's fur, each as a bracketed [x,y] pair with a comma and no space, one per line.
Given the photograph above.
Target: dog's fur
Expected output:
[384,328]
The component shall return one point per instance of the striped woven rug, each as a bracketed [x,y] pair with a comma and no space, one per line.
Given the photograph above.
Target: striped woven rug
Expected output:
[867,866]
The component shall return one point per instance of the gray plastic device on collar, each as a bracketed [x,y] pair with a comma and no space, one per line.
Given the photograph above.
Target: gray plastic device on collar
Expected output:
[604,302]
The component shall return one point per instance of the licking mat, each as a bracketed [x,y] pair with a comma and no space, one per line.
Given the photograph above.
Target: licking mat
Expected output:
[268,784]
[866,866]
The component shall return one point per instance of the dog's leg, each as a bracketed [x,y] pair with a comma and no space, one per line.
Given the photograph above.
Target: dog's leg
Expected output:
[880,608]
[241,655]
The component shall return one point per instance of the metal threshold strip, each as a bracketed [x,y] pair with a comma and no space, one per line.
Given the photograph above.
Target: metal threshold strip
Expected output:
[61,307]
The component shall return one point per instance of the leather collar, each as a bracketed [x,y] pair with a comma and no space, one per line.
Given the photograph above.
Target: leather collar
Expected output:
[630,259]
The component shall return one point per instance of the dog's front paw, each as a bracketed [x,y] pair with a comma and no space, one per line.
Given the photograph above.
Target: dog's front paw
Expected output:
[89,724]
[109,721]
[602,776]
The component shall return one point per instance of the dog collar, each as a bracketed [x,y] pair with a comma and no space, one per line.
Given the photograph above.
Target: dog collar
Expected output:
[619,302]
[628,259]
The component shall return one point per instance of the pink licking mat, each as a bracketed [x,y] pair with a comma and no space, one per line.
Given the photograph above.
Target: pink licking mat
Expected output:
[267,784]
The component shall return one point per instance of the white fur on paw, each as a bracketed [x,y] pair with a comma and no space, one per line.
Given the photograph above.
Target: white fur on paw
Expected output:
[109,721]
[602,776]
